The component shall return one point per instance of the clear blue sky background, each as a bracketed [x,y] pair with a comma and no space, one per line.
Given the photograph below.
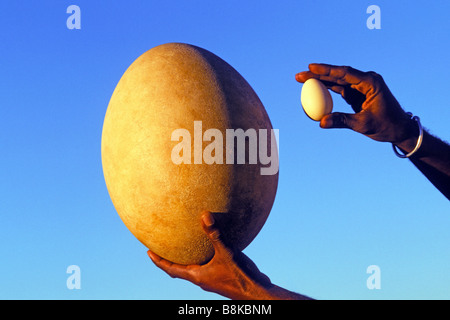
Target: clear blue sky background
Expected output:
[344,201]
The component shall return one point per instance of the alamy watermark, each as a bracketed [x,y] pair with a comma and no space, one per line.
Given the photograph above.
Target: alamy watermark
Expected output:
[374,20]
[74,20]
[74,280]
[235,147]
[374,280]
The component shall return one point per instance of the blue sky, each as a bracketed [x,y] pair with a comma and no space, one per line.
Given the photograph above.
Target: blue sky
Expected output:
[344,202]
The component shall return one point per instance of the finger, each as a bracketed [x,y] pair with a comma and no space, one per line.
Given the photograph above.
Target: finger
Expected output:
[303,76]
[213,233]
[174,270]
[348,74]
[339,120]
[344,75]
[334,87]
[306,75]
[337,89]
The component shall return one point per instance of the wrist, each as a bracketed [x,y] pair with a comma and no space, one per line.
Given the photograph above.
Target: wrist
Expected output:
[244,288]
[274,292]
[411,133]
[271,291]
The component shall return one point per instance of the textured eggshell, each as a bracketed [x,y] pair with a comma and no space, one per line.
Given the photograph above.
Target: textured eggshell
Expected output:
[316,99]
[168,88]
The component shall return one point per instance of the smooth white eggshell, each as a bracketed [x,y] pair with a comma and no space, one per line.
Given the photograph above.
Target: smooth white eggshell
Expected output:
[316,99]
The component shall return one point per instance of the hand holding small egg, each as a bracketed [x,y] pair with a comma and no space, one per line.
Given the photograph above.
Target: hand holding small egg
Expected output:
[377,115]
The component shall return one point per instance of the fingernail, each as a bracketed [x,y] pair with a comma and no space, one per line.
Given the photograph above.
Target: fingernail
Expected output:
[326,122]
[208,219]
[151,255]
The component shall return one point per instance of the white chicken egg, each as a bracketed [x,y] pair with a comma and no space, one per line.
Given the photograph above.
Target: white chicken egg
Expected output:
[316,99]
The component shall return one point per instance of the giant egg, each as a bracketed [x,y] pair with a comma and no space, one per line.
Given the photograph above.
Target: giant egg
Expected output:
[172,87]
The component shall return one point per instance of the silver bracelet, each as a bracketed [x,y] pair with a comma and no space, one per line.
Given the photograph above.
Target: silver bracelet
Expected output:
[419,140]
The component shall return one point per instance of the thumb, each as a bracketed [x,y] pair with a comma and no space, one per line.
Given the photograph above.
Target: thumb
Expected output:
[340,120]
[213,233]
